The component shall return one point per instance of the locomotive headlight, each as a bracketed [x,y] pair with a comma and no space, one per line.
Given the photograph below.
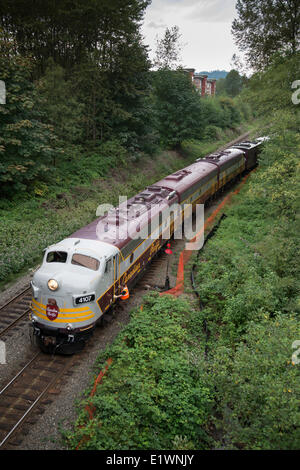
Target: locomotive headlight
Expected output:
[52,284]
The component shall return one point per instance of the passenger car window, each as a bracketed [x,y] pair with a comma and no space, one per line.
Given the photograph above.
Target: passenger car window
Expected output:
[57,257]
[85,261]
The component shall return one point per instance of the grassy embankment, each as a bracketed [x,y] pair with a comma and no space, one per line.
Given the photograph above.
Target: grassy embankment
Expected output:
[30,224]
[161,391]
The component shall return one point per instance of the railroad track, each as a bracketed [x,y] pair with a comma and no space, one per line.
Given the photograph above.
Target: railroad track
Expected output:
[14,311]
[239,139]
[22,396]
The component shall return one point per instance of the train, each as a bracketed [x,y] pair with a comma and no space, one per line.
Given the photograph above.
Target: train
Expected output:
[84,275]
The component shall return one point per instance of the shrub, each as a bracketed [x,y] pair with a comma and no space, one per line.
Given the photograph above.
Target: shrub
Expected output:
[151,396]
[258,388]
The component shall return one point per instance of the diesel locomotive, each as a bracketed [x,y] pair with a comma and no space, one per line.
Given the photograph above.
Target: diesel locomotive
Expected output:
[82,276]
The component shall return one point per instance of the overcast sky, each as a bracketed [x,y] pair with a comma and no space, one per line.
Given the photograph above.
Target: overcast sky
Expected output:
[205,26]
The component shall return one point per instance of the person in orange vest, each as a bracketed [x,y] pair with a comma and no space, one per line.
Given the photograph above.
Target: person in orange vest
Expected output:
[124,294]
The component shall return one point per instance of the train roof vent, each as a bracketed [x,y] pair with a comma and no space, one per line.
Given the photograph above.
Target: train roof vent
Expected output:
[156,189]
[159,191]
[214,156]
[137,207]
[178,175]
[145,197]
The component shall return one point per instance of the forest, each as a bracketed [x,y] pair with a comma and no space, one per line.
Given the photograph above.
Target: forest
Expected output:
[84,105]
[76,99]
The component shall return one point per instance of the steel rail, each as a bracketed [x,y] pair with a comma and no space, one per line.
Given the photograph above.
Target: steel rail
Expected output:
[15,300]
[51,382]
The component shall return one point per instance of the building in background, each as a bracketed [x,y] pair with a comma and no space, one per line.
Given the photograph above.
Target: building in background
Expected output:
[205,85]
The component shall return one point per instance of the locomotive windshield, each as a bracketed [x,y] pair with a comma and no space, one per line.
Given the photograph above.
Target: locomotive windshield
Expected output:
[85,261]
[57,257]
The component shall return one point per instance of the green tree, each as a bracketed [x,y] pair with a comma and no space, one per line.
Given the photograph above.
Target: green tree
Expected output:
[100,67]
[130,88]
[177,107]
[115,98]
[168,49]
[61,107]
[264,27]
[220,87]
[233,83]
[271,89]
[220,112]
[26,144]
[69,30]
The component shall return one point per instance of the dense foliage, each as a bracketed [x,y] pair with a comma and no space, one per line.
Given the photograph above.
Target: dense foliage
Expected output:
[231,85]
[82,80]
[274,88]
[78,77]
[264,27]
[70,31]
[153,395]
[26,143]
[247,281]
[181,113]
